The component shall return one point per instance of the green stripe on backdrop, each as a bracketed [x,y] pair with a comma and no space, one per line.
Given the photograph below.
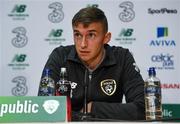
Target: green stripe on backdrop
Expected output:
[171,112]
[33,109]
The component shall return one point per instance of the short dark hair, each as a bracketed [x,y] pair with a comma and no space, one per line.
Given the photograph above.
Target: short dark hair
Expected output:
[89,15]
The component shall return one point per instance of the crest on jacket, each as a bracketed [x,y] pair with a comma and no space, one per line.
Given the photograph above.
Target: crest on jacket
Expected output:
[108,86]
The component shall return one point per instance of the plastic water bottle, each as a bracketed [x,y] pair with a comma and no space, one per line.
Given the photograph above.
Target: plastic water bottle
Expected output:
[152,90]
[63,88]
[47,84]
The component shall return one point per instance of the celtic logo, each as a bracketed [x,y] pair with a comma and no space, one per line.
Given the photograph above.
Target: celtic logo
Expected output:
[21,88]
[128,13]
[57,14]
[21,39]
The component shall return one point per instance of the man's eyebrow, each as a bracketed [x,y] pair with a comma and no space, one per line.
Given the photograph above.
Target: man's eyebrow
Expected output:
[92,31]
[88,30]
[75,30]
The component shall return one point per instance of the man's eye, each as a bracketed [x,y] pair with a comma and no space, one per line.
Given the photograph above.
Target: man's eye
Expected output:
[77,35]
[91,35]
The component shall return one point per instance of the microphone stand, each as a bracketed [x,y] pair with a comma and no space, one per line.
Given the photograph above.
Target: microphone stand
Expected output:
[85,115]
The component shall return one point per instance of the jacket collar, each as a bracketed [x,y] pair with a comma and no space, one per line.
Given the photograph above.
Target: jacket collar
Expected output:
[108,60]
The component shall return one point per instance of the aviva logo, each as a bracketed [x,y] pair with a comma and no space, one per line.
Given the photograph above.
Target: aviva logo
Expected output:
[162,32]
[162,38]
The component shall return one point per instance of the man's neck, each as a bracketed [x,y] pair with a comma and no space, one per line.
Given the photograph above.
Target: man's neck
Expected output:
[94,65]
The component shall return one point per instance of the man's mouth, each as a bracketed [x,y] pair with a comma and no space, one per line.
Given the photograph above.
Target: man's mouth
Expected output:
[84,52]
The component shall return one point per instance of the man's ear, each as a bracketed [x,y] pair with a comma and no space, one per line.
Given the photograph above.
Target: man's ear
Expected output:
[107,37]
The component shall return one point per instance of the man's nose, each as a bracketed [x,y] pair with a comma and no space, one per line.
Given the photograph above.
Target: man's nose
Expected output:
[84,42]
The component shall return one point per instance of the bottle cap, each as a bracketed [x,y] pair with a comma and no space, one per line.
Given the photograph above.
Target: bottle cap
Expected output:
[63,69]
[46,71]
[152,71]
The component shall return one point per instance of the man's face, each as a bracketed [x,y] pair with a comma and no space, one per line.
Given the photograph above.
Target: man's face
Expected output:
[89,41]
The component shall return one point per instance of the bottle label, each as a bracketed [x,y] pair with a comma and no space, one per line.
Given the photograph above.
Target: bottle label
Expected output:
[47,87]
[63,88]
[153,89]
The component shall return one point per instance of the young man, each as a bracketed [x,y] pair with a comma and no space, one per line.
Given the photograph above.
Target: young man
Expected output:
[110,71]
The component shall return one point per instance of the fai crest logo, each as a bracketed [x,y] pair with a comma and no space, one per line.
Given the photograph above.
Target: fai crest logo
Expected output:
[51,106]
[108,86]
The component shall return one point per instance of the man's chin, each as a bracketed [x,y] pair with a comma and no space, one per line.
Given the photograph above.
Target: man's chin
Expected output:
[84,59]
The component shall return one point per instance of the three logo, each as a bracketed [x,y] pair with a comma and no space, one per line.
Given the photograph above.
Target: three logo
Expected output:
[21,88]
[128,13]
[57,15]
[21,39]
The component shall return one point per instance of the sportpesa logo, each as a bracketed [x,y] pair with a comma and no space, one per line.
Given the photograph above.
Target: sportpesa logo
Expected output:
[162,11]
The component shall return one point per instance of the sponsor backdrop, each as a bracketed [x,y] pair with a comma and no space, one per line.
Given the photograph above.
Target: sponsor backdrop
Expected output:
[31,29]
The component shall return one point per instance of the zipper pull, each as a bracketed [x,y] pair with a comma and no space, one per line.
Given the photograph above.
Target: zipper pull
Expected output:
[90,76]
